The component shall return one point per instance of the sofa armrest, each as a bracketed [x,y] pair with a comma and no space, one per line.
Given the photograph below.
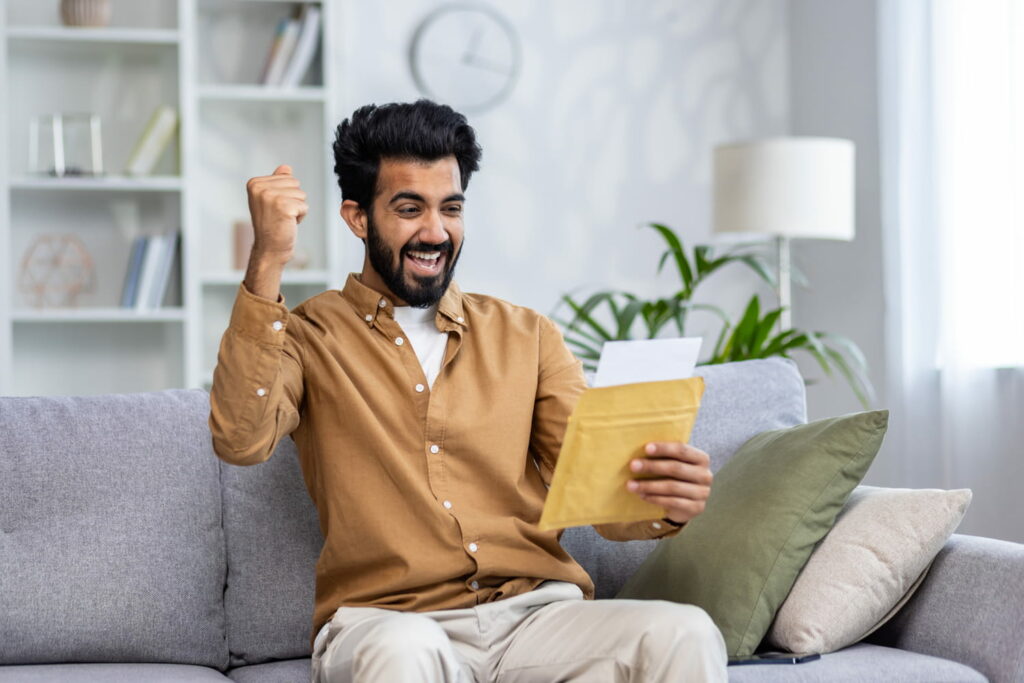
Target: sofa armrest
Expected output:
[970,608]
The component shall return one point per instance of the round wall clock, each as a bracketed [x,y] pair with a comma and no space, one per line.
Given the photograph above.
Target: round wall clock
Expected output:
[465,55]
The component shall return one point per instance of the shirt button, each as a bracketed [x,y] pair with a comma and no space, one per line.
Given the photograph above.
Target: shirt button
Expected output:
[472,547]
[420,387]
[434,448]
[382,303]
[461,319]
[368,318]
[474,585]
[447,504]
[261,391]
[399,341]
[656,525]
[277,325]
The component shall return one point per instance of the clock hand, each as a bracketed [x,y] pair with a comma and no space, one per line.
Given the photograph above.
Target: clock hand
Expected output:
[491,65]
[468,54]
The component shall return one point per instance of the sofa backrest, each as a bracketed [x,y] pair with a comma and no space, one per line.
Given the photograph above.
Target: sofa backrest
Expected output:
[111,540]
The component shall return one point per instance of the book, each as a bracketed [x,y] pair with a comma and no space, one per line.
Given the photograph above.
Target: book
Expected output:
[163,275]
[275,46]
[131,276]
[283,53]
[153,141]
[147,278]
[305,48]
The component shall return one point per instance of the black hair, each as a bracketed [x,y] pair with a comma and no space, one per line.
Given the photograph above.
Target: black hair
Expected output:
[422,130]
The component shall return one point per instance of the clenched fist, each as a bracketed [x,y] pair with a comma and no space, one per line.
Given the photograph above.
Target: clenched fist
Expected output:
[277,205]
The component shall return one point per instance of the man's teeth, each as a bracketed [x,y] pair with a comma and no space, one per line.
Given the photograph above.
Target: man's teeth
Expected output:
[428,256]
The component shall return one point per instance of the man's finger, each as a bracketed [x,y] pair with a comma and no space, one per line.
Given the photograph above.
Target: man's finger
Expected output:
[673,469]
[668,487]
[283,169]
[678,450]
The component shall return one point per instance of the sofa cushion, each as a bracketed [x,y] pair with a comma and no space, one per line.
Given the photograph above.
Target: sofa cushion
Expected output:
[866,567]
[111,545]
[273,542]
[859,663]
[769,506]
[287,671]
[740,399]
[110,673]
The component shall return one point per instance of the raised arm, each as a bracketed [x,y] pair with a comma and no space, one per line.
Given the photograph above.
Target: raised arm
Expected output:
[257,390]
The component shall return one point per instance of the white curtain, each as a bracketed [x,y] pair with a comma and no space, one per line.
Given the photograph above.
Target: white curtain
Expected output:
[951,99]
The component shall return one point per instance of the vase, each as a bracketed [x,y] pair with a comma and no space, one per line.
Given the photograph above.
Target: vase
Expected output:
[85,12]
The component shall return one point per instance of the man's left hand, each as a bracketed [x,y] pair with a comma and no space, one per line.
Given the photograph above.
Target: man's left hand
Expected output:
[683,480]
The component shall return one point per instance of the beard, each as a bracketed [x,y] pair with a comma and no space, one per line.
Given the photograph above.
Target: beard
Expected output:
[425,290]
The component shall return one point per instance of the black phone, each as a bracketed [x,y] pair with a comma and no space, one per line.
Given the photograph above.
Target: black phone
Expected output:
[775,658]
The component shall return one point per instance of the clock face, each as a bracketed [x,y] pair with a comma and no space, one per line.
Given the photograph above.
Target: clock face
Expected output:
[465,55]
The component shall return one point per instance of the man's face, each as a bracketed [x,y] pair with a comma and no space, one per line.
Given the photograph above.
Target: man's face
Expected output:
[414,232]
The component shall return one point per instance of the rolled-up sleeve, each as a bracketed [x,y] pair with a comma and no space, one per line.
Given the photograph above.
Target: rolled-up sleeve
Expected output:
[258,388]
[560,382]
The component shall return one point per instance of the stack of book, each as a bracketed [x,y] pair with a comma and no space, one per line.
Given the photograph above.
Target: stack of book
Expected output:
[293,48]
[150,268]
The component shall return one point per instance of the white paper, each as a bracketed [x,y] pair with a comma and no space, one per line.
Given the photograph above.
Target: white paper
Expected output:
[646,360]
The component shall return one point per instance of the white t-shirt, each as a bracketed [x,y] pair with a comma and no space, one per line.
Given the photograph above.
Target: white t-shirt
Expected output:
[427,341]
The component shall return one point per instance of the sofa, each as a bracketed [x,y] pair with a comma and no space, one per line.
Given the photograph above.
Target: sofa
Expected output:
[130,552]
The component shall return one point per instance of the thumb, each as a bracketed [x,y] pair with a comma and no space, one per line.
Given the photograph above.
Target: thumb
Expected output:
[283,169]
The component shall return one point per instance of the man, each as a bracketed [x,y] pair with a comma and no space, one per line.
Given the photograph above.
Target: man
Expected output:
[428,422]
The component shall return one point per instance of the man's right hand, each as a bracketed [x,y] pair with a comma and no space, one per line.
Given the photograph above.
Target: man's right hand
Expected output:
[277,205]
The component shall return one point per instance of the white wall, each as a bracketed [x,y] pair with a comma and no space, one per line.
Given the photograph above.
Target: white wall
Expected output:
[610,126]
[833,92]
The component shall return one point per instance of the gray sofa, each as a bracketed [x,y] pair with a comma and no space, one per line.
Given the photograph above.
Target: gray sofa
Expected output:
[130,552]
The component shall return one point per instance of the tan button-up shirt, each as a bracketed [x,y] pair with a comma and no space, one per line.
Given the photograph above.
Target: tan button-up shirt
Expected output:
[428,497]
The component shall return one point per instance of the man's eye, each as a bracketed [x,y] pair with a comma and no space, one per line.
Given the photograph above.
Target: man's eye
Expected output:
[456,209]
[408,209]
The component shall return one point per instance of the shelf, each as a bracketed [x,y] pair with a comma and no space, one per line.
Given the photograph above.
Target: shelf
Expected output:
[141,36]
[97,314]
[104,183]
[289,277]
[261,93]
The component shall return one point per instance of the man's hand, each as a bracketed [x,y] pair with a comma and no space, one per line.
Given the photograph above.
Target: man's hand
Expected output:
[277,204]
[683,480]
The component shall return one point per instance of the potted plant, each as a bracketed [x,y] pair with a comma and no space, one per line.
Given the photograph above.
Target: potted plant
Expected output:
[610,315]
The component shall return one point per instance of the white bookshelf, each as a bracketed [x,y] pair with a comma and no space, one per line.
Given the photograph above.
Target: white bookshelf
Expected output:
[202,57]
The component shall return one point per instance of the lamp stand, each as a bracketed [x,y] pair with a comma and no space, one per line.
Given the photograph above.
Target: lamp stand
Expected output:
[783,285]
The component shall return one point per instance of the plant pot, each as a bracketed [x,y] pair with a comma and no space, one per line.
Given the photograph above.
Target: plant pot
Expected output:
[85,12]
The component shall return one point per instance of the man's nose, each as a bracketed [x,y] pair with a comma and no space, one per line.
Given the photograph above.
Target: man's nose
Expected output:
[433,232]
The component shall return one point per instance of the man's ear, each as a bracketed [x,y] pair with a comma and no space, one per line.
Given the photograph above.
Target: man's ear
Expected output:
[354,217]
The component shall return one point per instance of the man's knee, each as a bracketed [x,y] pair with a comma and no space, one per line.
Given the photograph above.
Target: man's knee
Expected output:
[672,623]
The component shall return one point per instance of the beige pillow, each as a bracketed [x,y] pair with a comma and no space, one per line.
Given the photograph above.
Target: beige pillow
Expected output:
[869,564]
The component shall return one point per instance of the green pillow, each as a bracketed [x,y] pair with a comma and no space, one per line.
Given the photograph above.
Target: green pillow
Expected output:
[768,507]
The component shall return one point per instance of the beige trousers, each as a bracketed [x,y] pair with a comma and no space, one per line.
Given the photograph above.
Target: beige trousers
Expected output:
[549,634]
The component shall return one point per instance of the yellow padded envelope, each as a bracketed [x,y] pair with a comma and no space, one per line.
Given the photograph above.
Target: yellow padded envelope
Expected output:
[607,429]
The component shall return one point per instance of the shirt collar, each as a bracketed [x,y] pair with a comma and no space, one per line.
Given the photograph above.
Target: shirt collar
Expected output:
[368,303]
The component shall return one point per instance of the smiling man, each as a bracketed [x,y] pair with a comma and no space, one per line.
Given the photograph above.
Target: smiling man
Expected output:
[428,423]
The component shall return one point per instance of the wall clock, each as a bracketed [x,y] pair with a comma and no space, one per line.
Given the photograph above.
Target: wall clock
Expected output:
[465,55]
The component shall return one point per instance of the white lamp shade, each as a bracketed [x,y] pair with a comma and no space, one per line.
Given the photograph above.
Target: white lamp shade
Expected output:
[789,187]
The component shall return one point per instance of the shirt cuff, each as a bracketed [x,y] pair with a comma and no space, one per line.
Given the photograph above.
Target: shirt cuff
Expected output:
[259,318]
[638,531]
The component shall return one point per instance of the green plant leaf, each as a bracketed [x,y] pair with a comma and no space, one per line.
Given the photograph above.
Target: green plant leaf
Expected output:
[764,328]
[583,312]
[676,248]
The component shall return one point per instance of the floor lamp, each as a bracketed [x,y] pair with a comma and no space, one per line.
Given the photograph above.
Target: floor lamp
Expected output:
[786,187]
